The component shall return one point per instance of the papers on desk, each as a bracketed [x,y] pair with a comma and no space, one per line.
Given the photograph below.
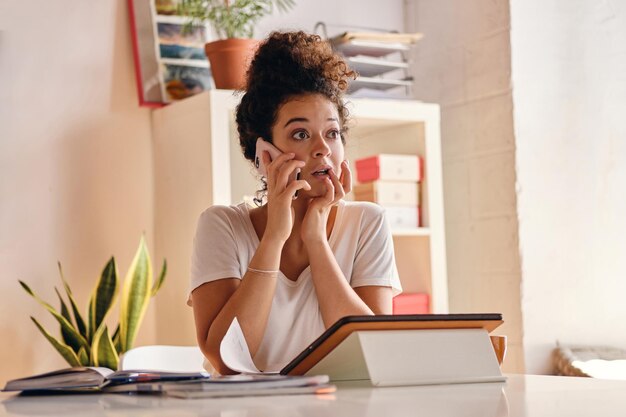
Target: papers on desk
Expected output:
[235,353]
[250,385]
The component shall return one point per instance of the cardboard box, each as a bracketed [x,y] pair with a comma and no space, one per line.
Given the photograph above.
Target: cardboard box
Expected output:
[403,217]
[411,303]
[389,167]
[388,193]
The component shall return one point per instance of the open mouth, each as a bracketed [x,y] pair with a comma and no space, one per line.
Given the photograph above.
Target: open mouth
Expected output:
[321,173]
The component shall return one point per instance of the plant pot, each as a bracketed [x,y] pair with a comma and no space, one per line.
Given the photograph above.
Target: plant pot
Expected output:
[229,59]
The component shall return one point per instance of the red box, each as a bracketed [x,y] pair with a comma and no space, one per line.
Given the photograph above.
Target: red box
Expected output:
[388,167]
[411,303]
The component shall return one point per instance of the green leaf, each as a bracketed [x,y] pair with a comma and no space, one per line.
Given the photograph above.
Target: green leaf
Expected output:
[116,339]
[65,351]
[83,358]
[157,285]
[90,329]
[102,349]
[76,338]
[67,337]
[80,323]
[135,296]
[103,295]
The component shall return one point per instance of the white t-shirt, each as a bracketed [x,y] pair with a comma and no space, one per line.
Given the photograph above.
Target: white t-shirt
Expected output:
[361,241]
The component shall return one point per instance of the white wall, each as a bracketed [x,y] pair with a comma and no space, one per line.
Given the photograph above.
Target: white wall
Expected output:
[569,78]
[75,163]
[337,14]
[463,63]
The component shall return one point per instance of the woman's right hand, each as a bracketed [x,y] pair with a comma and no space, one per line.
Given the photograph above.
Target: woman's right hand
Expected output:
[280,194]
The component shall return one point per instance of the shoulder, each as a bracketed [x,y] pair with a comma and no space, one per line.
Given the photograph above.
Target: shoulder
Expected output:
[221,212]
[364,209]
[223,217]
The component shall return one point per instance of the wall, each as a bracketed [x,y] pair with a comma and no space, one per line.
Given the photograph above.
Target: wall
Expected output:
[569,66]
[463,63]
[75,163]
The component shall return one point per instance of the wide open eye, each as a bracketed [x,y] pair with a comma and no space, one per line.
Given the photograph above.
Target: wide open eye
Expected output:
[333,134]
[300,135]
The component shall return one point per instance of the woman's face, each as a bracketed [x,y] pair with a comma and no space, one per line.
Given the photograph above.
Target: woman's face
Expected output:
[309,126]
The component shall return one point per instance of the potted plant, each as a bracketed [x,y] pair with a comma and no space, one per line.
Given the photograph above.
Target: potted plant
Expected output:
[88,341]
[233,22]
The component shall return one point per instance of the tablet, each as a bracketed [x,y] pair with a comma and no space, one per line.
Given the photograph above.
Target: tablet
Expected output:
[336,333]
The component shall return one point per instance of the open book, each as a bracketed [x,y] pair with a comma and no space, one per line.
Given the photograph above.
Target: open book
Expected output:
[99,379]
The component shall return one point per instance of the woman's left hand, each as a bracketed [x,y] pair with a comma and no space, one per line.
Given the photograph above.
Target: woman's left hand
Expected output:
[316,217]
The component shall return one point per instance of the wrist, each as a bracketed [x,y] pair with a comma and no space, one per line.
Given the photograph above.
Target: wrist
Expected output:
[315,240]
[271,243]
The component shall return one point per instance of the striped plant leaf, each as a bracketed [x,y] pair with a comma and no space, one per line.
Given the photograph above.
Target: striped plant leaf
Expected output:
[116,339]
[102,350]
[67,337]
[80,323]
[103,295]
[83,358]
[157,285]
[65,351]
[135,296]
[77,338]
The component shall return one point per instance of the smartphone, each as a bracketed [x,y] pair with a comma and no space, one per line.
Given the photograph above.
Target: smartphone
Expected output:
[263,145]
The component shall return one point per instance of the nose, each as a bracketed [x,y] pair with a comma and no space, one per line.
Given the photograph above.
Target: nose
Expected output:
[320,148]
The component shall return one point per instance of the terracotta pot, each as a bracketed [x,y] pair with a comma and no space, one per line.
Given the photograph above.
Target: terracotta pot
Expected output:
[229,59]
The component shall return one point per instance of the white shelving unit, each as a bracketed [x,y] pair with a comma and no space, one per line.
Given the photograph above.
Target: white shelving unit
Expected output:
[198,163]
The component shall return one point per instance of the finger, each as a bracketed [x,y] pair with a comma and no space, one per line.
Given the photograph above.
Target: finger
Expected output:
[272,167]
[346,177]
[294,186]
[330,192]
[337,186]
[287,172]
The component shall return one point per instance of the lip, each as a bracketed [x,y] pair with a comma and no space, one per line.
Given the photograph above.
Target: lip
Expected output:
[320,168]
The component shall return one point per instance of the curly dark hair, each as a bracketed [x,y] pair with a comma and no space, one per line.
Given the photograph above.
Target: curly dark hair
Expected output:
[288,64]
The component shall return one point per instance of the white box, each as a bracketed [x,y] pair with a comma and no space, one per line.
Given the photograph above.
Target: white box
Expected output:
[402,217]
[388,193]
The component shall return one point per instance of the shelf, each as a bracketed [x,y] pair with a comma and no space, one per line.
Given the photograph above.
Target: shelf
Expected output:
[378,83]
[186,62]
[368,48]
[370,67]
[177,20]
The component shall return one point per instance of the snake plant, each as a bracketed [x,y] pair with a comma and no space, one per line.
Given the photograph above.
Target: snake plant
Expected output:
[86,340]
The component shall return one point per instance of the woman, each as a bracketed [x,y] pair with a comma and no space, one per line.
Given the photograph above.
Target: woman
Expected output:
[290,268]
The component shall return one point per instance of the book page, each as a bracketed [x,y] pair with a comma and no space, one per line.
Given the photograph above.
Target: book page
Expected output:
[234,350]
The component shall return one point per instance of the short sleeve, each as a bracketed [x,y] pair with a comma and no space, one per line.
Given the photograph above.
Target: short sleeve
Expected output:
[214,255]
[374,262]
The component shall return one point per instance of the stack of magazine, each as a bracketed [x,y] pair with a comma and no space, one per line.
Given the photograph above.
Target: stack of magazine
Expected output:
[181,385]
[381,61]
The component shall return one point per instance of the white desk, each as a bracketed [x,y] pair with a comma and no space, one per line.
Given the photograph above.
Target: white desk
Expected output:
[520,396]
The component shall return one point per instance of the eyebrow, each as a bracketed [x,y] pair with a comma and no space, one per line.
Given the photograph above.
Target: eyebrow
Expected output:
[304,119]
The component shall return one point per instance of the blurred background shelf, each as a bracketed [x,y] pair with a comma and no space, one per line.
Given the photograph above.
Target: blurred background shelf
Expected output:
[371,67]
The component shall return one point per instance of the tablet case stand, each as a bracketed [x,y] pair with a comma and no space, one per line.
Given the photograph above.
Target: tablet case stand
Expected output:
[413,357]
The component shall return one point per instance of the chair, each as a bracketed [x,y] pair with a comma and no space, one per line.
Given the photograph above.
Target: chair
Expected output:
[163,358]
